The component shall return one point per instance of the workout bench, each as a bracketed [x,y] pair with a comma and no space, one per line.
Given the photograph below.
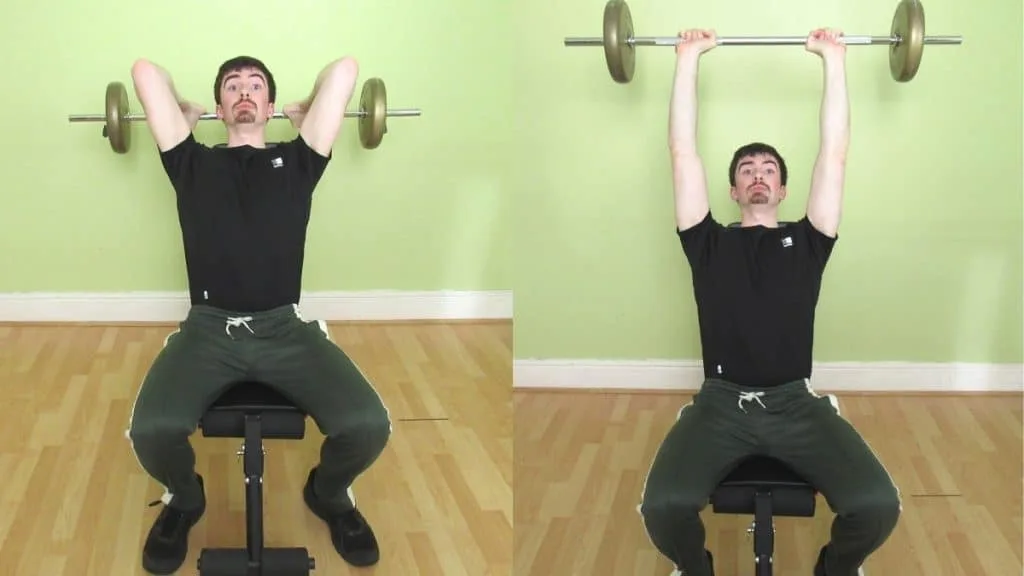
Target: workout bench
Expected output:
[764,487]
[254,412]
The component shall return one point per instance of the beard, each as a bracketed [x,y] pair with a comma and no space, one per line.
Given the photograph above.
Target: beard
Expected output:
[759,196]
[246,116]
[245,112]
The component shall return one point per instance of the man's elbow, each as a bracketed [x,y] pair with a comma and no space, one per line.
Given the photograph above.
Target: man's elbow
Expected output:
[344,70]
[146,76]
[142,68]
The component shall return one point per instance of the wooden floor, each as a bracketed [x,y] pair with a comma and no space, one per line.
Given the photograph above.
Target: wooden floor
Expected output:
[73,498]
[581,459]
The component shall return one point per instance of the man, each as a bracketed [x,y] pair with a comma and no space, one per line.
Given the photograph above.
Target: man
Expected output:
[756,288]
[243,210]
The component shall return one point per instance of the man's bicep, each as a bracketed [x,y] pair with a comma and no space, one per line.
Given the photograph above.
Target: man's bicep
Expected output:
[333,92]
[181,161]
[690,187]
[309,163]
[698,241]
[819,244]
[164,117]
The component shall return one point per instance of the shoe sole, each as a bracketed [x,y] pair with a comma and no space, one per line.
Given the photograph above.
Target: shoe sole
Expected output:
[161,567]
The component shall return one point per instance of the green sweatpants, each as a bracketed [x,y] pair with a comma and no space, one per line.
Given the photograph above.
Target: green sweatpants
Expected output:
[726,423]
[214,349]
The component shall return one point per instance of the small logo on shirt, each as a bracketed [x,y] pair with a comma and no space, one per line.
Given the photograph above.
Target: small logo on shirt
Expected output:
[787,241]
[277,162]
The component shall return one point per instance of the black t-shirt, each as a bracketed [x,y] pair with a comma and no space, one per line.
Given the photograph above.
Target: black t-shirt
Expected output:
[756,290]
[243,213]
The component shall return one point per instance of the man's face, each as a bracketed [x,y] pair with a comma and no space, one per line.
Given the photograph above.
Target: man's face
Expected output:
[758,181]
[244,97]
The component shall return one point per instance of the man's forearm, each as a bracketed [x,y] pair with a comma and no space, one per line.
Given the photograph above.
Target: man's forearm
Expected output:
[835,109]
[825,201]
[682,122]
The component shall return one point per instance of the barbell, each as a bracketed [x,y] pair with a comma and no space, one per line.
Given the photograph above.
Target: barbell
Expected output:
[373,112]
[906,40]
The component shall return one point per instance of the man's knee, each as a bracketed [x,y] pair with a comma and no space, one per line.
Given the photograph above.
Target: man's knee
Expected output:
[373,427]
[369,427]
[148,433]
[877,503]
[671,505]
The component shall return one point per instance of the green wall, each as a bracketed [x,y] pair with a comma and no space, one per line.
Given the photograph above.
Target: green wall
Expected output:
[428,210]
[531,169]
[928,266]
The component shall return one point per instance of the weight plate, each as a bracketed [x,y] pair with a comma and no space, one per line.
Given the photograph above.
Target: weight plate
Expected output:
[374,104]
[117,129]
[908,28]
[618,31]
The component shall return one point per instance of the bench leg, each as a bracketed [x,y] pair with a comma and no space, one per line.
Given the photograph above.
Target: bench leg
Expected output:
[252,465]
[255,559]
[764,534]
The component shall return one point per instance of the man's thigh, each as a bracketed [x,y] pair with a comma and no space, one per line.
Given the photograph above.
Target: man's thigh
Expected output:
[702,447]
[316,374]
[825,448]
[186,376]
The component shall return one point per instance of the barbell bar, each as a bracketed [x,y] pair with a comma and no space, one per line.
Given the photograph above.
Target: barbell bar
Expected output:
[372,114]
[906,40]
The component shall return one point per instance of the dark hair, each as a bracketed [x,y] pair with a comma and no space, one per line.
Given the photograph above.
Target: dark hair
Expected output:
[238,63]
[754,149]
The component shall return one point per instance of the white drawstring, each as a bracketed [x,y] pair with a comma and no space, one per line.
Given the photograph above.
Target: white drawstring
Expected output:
[748,396]
[238,321]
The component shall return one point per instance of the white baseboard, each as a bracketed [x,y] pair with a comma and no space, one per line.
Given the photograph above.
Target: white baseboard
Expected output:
[827,376]
[381,305]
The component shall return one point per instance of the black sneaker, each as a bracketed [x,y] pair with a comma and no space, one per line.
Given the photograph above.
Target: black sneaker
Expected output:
[167,543]
[351,534]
